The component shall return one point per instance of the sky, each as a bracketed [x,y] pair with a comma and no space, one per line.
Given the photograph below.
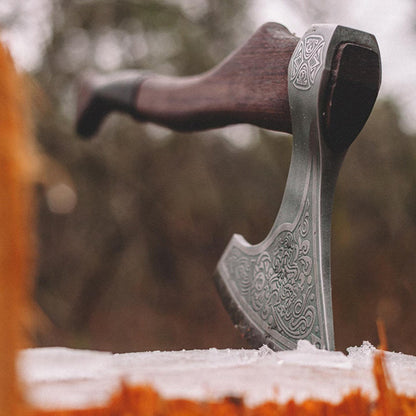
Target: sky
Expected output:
[30,31]
[391,21]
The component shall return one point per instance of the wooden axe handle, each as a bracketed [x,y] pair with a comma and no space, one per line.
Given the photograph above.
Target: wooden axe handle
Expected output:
[250,86]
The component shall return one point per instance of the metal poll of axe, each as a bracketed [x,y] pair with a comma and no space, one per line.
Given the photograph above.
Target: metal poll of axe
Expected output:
[321,88]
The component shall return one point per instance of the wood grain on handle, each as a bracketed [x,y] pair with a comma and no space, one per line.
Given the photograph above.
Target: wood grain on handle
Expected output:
[250,86]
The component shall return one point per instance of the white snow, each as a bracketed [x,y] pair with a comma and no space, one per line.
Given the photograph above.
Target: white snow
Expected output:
[65,378]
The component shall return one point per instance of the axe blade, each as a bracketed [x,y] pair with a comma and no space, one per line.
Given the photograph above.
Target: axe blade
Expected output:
[279,291]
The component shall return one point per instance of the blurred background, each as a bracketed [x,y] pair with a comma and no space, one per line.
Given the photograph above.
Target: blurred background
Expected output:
[132,223]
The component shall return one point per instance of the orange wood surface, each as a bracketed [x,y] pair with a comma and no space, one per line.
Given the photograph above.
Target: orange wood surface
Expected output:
[15,231]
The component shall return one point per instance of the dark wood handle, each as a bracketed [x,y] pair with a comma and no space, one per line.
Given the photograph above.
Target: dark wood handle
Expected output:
[250,86]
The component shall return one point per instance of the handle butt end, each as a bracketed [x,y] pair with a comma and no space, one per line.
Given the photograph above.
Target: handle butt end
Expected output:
[90,110]
[100,95]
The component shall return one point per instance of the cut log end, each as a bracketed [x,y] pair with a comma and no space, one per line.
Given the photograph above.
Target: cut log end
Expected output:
[260,382]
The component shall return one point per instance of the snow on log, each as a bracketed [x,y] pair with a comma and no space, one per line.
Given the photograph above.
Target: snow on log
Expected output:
[72,380]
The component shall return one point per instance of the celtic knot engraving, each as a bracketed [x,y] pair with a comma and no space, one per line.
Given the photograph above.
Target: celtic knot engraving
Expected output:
[307,61]
[278,283]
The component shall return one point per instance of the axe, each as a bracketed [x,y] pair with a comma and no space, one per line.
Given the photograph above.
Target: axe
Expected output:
[321,88]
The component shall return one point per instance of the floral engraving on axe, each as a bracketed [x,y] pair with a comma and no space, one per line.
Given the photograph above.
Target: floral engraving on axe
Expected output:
[279,290]
[307,61]
[278,284]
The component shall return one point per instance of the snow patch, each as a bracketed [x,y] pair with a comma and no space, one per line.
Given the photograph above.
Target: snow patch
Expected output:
[64,378]
[307,354]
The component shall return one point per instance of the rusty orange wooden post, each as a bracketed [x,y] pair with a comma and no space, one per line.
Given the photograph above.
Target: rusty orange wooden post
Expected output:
[15,230]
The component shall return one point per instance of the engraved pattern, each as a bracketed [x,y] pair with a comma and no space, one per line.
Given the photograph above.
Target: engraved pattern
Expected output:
[307,61]
[278,283]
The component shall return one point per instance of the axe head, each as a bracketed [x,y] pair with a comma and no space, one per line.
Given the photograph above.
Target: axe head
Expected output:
[279,291]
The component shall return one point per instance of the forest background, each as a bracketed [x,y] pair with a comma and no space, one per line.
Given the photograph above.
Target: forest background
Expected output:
[131,224]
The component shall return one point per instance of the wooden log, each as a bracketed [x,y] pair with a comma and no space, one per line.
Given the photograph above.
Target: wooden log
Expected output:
[15,228]
[220,382]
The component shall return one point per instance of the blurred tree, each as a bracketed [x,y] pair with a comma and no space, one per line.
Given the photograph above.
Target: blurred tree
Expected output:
[374,229]
[137,229]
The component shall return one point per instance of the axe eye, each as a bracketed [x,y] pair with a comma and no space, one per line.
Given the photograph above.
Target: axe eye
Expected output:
[353,86]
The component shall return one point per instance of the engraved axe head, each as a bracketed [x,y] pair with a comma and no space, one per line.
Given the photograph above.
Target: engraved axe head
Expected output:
[279,291]
[322,89]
